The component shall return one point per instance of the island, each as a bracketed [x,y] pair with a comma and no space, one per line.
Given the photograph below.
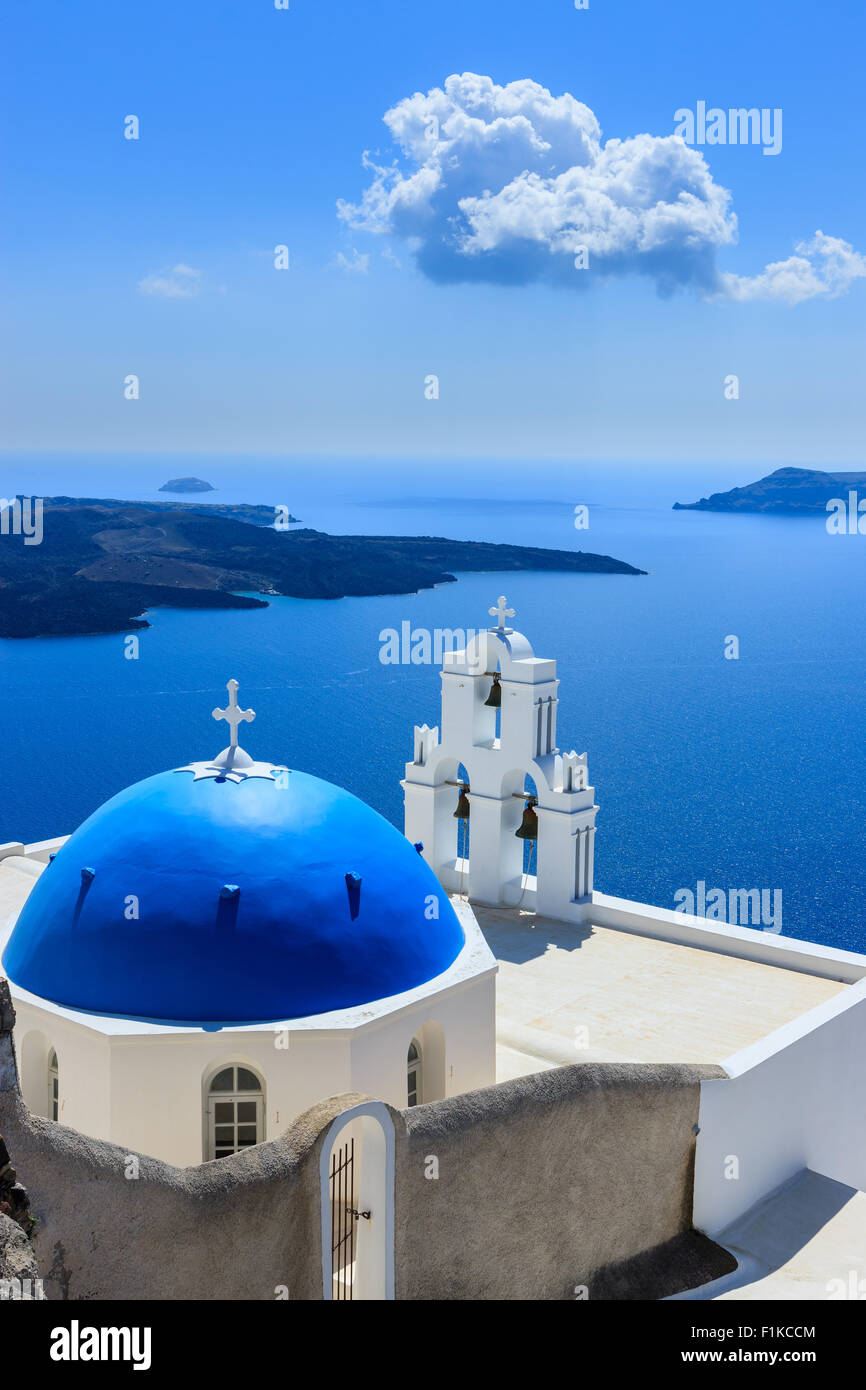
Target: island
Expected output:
[788,491]
[102,563]
[187,485]
[256,513]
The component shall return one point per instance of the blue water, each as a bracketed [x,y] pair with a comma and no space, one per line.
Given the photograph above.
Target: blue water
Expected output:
[743,774]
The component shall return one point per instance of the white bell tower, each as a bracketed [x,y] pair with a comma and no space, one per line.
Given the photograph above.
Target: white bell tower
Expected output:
[499,748]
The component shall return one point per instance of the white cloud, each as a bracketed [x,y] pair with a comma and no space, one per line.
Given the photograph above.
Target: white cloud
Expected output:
[360,263]
[509,183]
[825,266]
[180,282]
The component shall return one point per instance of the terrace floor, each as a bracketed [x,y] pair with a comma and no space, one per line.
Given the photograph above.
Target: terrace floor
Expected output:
[569,993]
[806,1240]
[17,877]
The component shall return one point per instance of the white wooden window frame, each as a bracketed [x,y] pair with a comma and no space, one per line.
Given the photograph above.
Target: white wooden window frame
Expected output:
[233,1097]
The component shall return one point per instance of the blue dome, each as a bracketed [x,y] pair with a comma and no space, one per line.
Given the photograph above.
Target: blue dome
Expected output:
[247,908]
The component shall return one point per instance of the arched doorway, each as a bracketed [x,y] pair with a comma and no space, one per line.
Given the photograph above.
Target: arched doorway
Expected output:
[38,1077]
[356,1179]
[425,1065]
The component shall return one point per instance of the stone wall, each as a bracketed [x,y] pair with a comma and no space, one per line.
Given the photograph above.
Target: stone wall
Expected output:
[19,1276]
[239,1229]
[575,1182]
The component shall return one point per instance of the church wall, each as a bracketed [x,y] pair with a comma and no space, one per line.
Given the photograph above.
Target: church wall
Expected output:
[147,1092]
[466,1016]
[569,1183]
[156,1096]
[313,1068]
[34,1049]
[83,1067]
[159,1084]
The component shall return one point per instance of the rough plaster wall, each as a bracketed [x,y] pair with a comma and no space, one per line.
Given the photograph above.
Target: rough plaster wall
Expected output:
[229,1230]
[577,1176]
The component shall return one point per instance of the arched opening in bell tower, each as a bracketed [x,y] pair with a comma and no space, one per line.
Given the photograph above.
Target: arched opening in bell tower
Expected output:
[528,824]
[518,837]
[462,812]
[492,704]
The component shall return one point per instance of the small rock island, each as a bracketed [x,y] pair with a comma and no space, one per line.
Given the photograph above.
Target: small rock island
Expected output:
[187,485]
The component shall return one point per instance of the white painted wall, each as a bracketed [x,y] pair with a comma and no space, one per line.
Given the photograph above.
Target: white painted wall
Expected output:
[34,1048]
[746,942]
[466,1016]
[146,1090]
[84,1063]
[796,1099]
[159,1084]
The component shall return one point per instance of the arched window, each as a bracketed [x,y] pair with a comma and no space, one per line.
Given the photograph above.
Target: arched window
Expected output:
[235,1111]
[53,1086]
[413,1075]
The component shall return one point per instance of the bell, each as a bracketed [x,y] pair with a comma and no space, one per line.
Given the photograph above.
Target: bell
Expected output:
[494,699]
[528,829]
[462,812]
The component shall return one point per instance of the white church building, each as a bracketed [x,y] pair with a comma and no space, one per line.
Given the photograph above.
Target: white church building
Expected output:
[221,946]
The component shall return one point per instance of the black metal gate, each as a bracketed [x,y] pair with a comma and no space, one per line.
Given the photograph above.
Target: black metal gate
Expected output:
[344,1214]
[343,1220]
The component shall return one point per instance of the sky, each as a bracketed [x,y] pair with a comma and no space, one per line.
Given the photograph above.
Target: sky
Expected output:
[421,250]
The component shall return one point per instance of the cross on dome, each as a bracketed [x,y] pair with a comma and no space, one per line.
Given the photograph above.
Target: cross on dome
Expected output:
[234,763]
[501,612]
[234,716]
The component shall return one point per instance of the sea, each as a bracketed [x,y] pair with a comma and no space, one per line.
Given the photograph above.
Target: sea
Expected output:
[743,771]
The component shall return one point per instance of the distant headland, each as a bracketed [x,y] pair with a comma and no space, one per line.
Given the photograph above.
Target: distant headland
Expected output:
[103,562]
[788,491]
[255,513]
[187,485]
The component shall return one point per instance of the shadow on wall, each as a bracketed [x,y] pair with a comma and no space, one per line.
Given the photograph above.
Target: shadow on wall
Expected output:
[573,1183]
[576,1182]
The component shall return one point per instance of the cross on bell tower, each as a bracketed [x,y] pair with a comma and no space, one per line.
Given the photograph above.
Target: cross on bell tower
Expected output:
[502,612]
